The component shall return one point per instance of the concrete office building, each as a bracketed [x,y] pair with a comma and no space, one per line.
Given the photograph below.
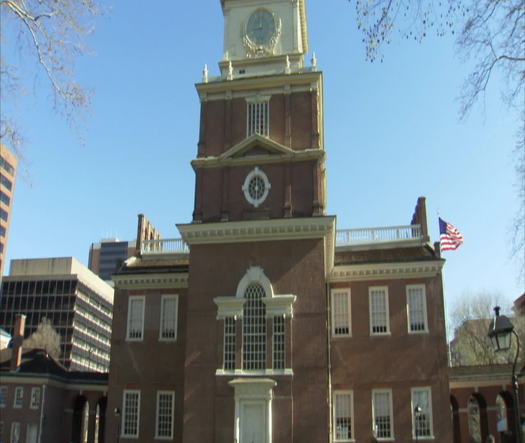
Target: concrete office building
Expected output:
[78,303]
[8,165]
[265,324]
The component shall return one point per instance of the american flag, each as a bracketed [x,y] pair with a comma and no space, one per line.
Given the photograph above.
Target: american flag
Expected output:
[450,237]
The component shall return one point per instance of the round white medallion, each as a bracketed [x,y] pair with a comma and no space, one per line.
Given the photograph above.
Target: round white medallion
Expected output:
[256,187]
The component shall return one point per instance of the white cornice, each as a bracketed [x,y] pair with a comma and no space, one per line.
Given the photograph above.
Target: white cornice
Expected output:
[151,281]
[386,271]
[257,230]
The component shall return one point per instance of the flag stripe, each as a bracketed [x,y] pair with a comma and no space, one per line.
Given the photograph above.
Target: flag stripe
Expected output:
[450,237]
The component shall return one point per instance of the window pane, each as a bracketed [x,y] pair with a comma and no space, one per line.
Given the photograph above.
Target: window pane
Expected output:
[229,343]
[423,416]
[130,417]
[378,311]
[135,318]
[382,418]
[278,343]
[254,328]
[165,408]
[416,309]
[169,317]
[341,313]
[343,416]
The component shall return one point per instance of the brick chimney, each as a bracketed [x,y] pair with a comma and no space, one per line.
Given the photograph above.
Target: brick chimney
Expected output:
[18,339]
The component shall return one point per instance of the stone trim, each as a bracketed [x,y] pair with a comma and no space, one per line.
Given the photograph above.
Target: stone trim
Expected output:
[386,271]
[151,281]
[257,230]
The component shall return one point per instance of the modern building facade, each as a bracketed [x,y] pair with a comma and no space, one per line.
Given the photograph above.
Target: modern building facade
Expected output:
[78,303]
[264,323]
[106,257]
[8,165]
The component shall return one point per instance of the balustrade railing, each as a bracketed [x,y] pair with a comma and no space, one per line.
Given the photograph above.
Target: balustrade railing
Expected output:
[352,237]
[164,246]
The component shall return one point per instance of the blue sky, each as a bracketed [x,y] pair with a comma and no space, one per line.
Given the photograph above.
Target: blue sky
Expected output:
[392,134]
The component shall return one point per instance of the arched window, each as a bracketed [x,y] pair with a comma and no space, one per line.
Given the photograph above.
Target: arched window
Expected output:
[474,420]
[254,328]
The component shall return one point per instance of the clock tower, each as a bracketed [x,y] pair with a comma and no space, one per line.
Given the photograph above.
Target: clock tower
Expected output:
[256,354]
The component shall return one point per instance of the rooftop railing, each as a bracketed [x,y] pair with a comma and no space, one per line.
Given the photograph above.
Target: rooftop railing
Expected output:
[354,237]
[344,237]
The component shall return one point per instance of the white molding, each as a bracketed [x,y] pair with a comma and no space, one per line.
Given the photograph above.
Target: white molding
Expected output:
[279,305]
[257,230]
[386,271]
[229,307]
[152,281]
[256,173]
[261,372]
[254,274]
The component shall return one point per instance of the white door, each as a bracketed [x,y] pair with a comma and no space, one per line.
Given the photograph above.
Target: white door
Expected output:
[32,434]
[253,422]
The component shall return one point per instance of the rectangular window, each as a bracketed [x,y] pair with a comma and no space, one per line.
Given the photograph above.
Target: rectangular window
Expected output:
[343,410]
[258,118]
[229,343]
[382,414]
[379,315]
[6,182]
[6,166]
[15,432]
[165,414]
[3,214]
[4,198]
[3,396]
[35,398]
[136,318]
[2,231]
[422,412]
[278,343]
[168,314]
[341,313]
[130,414]
[19,397]
[417,308]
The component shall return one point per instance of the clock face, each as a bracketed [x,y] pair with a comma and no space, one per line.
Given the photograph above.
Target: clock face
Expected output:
[261,27]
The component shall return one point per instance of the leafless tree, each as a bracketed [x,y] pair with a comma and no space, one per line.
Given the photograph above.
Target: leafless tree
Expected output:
[51,33]
[490,33]
[471,317]
[45,337]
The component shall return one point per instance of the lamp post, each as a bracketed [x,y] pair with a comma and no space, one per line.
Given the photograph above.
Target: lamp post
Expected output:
[417,414]
[500,333]
[117,414]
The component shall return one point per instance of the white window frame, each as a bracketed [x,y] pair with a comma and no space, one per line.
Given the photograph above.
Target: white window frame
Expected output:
[18,399]
[3,396]
[125,393]
[171,394]
[230,343]
[391,413]
[258,111]
[35,398]
[384,289]
[16,428]
[427,409]
[335,415]
[162,328]
[346,318]
[279,342]
[422,287]
[261,175]
[131,299]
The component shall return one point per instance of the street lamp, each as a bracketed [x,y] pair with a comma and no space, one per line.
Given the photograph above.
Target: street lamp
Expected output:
[500,333]
[417,415]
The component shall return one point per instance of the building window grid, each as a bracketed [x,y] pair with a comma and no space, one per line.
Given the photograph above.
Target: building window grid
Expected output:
[422,421]
[379,316]
[417,310]
[254,328]
[19,397]
[278,343]
[6,182]
[4,198]
[3,214]
[382,410]
[131,414]
[229,343]
[15,432]
[343,416]
[258,117]
[136,318]
[341,313]
[35,398]
[165,414]
[3,396]
[169,309]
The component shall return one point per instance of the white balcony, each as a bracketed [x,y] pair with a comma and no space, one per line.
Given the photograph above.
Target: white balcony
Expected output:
[410,234]
[376,236]
[167,246]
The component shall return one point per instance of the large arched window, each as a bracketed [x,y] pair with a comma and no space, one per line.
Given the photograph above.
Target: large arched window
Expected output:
[262,317]
[254,328]
[474,420]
